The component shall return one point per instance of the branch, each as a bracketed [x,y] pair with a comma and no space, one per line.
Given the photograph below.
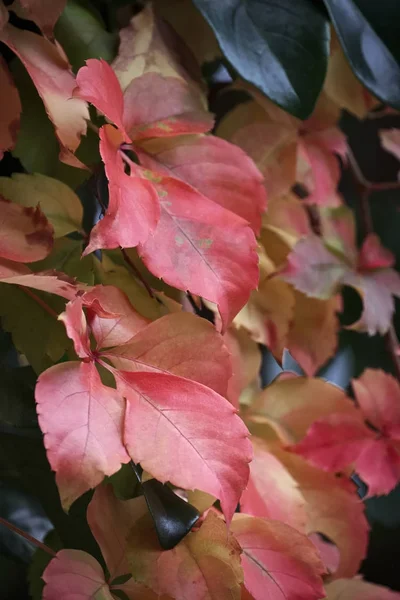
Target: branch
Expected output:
[28,537]
[366,187]
[39,301]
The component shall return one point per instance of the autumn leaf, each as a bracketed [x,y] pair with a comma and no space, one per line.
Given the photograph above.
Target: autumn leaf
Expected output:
[58,202]
[50,72]
[246,364]
[181,344]
[82,422]
[338,440]
[26,234]
[170,412]
[278,560]
[133,210]
[203,566]
[272,492]
[217,169]
[10,109]
[198,246]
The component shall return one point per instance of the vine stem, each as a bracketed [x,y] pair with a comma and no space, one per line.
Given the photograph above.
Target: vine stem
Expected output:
[27,536]
[137,272]
[366,187]
[39,301]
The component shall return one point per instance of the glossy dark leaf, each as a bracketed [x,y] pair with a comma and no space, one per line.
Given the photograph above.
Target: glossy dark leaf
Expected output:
[280,47]
[369,57]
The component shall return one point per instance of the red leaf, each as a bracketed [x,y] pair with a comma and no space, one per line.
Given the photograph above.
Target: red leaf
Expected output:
[10,109]
[112,318]
[181,344]
[171,416]
[25,233]
[279,562]
[133,210]
[373,255]
[335,441]
[217,169]
[82,423]
[50,72]
[379,466]
[98,84]
[378,395]
[201,247]
[75,574]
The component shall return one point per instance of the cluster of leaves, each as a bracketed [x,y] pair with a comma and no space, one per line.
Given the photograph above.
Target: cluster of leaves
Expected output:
[105,304]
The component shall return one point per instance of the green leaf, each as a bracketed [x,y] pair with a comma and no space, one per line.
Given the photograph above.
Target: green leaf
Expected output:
[37,146]
[280,47]
[66,256]
[35,333]
[82,35]
[17,403]
[368,55]
[59,203]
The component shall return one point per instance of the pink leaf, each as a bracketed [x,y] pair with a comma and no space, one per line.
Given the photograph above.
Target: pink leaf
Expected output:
[378,395]
[10,109]
[181,344]
[171,416]
[98,84]
[82,423]
[25,233]
[51,74]
[75,574]
[217,169]
[201,247]
[54,282]
[111,521]
[279,563]
[373,255]
[133,210]
[272,492]
[379,466]
[158,106]
[112,318]
[335,441]
[76,326]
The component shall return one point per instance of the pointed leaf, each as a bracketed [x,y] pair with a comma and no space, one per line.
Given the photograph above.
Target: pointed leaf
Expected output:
[58,202]
[82,423]
[201,247]
[183,417]
[181,344]
[369,57]
[10,109]
[76,327]
[278,560]
[292,40]
[26,234]
[54,81]
[133,210]
[378,395]
[98,84]
[217,169]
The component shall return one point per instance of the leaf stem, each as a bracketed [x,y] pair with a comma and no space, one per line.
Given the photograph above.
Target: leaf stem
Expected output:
[365,189]
[365,183]
[137,272]
[27,536]
[39,301]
